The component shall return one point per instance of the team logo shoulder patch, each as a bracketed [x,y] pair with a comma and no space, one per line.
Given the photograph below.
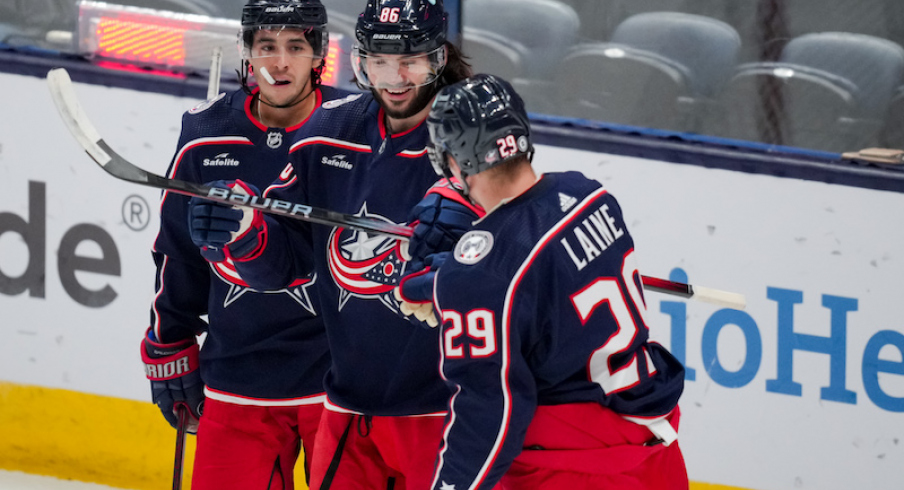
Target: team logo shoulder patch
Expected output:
[332,104]
[203,106]
[473,247]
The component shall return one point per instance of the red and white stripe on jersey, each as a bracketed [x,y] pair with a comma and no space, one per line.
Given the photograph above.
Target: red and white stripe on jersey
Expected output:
[505,344]
[263,402]
[217,140]
[321,140]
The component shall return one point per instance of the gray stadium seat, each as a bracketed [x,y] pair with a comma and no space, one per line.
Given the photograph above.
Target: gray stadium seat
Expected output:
[828,91]
[660,70]
[892,134]
[601,17]
[489,52]
[545,28]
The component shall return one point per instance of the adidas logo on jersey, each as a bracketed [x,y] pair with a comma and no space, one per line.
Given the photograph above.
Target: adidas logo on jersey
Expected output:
[221,160]
[566,202]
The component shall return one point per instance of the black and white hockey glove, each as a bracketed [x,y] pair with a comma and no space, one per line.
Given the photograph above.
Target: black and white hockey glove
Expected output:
[175,379]
[415,291]
[222,231]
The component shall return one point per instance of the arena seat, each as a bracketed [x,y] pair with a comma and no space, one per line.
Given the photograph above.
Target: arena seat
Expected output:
[545,28]
[828,91]
[489,52]
[661,70]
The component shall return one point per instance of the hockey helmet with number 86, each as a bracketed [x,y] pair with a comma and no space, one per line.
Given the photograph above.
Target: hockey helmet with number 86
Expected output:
[400,43]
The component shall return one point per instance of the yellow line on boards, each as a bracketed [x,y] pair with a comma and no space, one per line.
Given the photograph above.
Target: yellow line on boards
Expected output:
[100,439]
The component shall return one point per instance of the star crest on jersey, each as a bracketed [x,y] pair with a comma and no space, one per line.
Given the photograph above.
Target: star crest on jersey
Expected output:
[298,290]
[365,265]
[446,486]
[566,202]
[473,247]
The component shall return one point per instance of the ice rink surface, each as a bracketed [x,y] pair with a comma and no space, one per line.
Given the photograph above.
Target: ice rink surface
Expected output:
[15,480]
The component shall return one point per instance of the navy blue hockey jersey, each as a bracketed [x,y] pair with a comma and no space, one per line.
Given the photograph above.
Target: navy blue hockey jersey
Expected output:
[542,305]
[261,347]
[344,161]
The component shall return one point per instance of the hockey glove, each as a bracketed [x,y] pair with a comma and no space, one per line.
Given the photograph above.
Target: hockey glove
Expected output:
[175,379]
[222,231]
[415,291]
[439,220]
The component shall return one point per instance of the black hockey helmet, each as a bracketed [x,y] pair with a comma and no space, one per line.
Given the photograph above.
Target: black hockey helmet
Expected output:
[307,15]
[402,26]
[481,122]
[412,30]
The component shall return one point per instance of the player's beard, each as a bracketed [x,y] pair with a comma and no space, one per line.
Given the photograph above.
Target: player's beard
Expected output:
[422,97]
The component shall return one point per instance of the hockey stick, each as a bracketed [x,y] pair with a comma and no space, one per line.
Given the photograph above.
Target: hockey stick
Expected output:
[181,429]
[84,132]
[213,80]
[699,293]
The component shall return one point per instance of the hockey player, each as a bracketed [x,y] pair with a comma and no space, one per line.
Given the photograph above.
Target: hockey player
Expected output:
[259,375]
[385,404]
[544,343]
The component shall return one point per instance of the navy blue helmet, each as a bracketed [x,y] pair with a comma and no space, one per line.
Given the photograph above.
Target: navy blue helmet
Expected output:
[400,43]
[481,122]
[307,15]
[402,26]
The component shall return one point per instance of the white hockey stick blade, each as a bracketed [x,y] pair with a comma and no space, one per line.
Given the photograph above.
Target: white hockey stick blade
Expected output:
[699,293]
[721,298]
[71,112]
[213,81]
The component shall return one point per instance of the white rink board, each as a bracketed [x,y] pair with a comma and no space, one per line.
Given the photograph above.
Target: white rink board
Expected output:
[809,257]
[55,341]
[754,234]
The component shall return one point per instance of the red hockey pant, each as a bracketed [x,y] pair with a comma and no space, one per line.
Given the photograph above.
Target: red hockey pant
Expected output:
[587,446]
[376,450]
[252,447]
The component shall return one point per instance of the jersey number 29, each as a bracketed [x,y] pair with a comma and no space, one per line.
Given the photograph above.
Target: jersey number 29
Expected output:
[606,291]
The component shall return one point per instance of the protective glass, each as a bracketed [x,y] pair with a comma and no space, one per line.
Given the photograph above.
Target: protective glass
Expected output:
[377,70]
[266,41]
[437,159]
[436,151]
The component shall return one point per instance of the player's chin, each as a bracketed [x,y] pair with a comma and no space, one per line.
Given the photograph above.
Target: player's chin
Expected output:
[282,97]
[397,96]
[402,106]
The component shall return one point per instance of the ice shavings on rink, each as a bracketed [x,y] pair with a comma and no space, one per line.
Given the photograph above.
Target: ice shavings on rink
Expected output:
[16,480]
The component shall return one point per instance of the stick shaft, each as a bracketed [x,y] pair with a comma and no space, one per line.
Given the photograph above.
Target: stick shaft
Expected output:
[179,459]
[84,132]
[213,80]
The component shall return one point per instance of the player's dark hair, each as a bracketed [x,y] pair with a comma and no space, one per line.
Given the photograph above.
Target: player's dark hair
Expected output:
[301,13]
[457,68]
